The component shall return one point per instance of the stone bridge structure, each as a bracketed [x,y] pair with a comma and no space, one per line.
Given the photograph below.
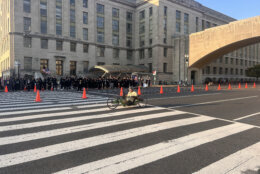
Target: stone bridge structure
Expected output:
[208,45]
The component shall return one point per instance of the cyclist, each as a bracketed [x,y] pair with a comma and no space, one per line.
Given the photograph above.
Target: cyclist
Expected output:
[130,98]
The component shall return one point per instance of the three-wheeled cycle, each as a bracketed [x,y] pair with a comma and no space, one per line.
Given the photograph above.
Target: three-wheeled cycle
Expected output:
[113,103]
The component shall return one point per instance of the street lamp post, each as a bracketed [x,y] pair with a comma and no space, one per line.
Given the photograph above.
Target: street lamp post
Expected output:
[186,62]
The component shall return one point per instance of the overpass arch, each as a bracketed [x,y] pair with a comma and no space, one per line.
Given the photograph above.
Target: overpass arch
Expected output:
[209,45]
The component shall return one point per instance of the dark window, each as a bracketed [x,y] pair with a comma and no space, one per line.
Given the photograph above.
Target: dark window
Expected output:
[101,51]
[141,54]
[73,68]
[27,24]
[129,54]
[100,37]
[44,43]
[150,52]
[150,11]
[85,34]
[27,6]
[115,26]
[85,3]
[165,67]
[85,18]
[142,15]
[85,48]
[116,53]
[100,22]
[27,42]
[150,66]
[129,16]
[73,46]
[59,45]
[100,9]
[115,13]
[165,52]
[165,11]
[27,63]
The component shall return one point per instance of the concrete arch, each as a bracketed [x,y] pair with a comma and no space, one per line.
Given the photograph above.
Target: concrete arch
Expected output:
[208,45]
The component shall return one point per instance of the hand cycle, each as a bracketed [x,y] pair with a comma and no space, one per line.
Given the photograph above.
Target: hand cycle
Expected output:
[113,103]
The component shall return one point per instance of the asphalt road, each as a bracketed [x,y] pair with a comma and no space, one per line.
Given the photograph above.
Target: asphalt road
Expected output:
[212,132]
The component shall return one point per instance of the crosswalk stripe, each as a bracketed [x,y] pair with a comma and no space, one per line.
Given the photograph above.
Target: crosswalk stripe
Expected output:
[50,105]
[74,129]
[136,158]
[68,120]
[248,158]
[62,113]
[47,151]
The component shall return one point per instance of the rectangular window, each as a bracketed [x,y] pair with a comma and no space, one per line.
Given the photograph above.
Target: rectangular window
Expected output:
[150,66]
[85,3]
[44,43]
[73,46]
[226,71]
[27,63]
[59,17]
[142,15]
[226,60]
[178,21]
[231,61]
[44,64]
[115,40]
[115,13]
[128,28]
[27,24]
[100,37]
[85,48]
[85,18]
[141,54]
[236,61]
[165,67]
[142,42]
[73,68]
[129,42]
[59,45]
[100,9]
[220,70]
[27,42]
[231,71]
[197,24]
[59,67]
[245,62]
[236,71]
[221,60]
[115,25]
[208,70]
[100,22]
[101,51]
[150,11]
[72,22]
[116,53]
[207,24]
[27,6]
[214,70]
[203,25]
[85,66]
[85,34]
[241,72]
[186,23]
[165,52]
[150,52]
[129,54]
[241,62]
[141,27]
[43,13]
[165,11]
[129,16]
[72,2]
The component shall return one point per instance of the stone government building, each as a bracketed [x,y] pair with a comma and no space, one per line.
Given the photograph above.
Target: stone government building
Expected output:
[68,37]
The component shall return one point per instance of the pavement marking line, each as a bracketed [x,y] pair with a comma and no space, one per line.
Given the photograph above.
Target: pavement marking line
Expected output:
[50,105]
[57,149]
[69,120]
[184,96]
[218,101]
[64,131]
[46,103]
[247,116]
[146,155]
[62,113]
[234,162]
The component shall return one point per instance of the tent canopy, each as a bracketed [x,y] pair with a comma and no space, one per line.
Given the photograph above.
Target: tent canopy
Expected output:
[119,69]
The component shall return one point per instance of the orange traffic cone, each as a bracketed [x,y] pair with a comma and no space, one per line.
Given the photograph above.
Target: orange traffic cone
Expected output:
[239,86]
[219,87]
[229,87]
[139,90]
[161,90]
[206,88]
[6,89]
[24,88]
[38,97]
[178,89]
[192,88]
[84,96]
[34,88]
[254,86]
[246,86]
[121,92]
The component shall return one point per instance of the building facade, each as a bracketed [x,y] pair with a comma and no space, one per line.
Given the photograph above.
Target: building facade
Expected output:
[67,37]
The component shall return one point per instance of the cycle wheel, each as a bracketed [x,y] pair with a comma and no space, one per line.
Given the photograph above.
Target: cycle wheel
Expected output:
[112,103]
[143,102]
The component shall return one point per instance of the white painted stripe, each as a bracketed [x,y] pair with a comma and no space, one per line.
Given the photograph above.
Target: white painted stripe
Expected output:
[39,153]
[50,105]
[136,158]
[217,101]
[74,129]
[69,120]
[46,103]
[242,159]
[247,116]
[62,113]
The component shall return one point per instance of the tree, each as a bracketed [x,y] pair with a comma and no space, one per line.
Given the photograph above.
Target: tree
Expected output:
[253,71]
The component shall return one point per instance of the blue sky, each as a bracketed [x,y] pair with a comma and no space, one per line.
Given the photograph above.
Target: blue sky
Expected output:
[238,9]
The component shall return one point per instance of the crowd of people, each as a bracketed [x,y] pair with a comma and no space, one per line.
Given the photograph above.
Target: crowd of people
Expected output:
[69,83]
